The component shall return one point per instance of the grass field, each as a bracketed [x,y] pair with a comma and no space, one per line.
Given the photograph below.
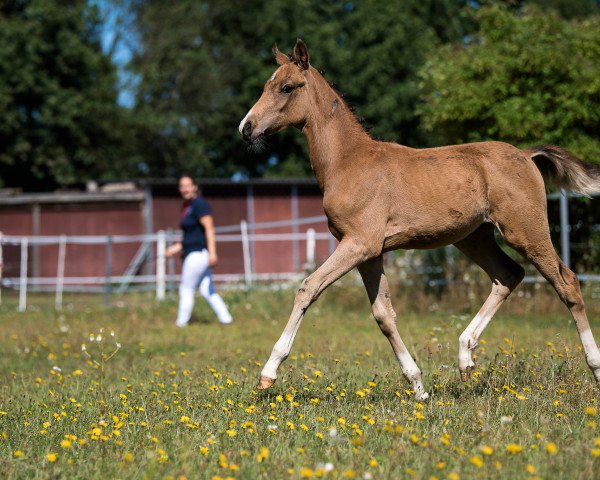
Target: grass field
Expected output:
[172,403]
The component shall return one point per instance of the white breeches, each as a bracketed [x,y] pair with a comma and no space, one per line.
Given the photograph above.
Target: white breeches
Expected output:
[195,275]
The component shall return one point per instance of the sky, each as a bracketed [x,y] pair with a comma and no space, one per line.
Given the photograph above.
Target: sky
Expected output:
[123,50]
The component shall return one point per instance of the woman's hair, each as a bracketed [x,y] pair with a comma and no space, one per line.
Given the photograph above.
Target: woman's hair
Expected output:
[191,177]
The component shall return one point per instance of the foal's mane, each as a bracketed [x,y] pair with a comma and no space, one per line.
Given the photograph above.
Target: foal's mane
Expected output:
[359,121]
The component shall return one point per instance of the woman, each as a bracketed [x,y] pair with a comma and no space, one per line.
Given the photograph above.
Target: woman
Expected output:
[199,250]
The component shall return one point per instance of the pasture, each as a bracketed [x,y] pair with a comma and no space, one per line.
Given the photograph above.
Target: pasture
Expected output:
[181,403]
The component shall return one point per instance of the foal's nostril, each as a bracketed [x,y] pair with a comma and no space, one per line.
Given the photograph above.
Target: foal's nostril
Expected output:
[247,130]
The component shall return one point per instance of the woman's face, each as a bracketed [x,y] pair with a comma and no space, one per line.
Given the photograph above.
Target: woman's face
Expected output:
[187,188]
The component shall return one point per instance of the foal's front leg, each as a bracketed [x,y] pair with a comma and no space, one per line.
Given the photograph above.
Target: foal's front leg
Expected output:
[379,295]
[346,256]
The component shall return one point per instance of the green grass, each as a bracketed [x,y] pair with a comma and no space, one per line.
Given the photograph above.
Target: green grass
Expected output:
[182,403]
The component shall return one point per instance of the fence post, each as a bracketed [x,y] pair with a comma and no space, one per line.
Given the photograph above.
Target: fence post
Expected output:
[108,270]
[170,263]
[1,266]
[23,279]
[60,272]
[565,246]
[246,252]
[310,248]
[161,245]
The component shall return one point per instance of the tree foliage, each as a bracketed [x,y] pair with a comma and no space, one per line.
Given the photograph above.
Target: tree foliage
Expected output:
[526,79]
[202,64]
[59,121]
[420,72]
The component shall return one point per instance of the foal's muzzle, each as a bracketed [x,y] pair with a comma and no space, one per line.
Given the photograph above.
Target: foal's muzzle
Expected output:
[247,132]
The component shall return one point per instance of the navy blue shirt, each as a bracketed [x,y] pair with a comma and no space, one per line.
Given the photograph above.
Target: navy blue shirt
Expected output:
[194,238]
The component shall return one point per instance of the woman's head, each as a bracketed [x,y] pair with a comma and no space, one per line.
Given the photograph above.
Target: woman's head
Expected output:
[188,188]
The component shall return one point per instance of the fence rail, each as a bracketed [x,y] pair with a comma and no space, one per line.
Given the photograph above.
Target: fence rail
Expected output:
[160,272]
[163,269]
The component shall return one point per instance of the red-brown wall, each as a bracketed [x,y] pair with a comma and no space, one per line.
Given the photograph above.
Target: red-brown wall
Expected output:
[89,219]
[230,202]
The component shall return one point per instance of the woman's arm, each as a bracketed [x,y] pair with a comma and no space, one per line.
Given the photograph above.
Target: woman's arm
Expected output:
[211,241]
[174,249]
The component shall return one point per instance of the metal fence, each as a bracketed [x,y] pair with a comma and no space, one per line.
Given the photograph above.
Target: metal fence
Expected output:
[160,276]
[151,252]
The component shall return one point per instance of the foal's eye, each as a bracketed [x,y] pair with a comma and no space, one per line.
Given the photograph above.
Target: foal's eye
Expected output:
[287,88]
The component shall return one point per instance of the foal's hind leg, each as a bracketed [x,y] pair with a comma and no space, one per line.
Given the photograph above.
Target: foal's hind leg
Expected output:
[379,295]
[505,273]
[533,241]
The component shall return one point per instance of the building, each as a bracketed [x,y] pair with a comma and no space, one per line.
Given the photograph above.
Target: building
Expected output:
[142,207]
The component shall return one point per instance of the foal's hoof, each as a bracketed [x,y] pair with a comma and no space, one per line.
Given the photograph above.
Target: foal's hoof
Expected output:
[265,382]
[464,376]
[421,396]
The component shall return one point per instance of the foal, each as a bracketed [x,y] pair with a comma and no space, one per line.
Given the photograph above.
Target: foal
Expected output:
[381,196]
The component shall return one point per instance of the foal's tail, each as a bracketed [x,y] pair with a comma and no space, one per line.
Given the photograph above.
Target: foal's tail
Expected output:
[561,169]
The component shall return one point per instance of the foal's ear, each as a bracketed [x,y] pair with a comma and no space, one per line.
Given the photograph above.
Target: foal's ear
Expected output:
[301,56]
[280,58]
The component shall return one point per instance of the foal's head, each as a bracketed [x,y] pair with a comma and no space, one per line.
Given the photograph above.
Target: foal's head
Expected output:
[285,97]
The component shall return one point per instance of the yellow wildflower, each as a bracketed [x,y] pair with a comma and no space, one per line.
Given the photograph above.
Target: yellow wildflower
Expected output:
[486,450]
[263,454]
[477,461]
[551,448]
[591,411]
[306,472]
[52,457]
[514,448]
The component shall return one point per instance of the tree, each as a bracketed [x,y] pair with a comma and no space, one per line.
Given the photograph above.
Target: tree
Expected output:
[59,121]
[526,79]
[202,64]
